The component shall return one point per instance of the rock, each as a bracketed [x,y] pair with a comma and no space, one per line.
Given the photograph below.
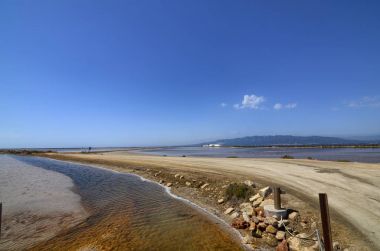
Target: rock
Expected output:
[281,223]
[303,225]
[313,225]
[262,226]
[239,224]
[181,177]
[280,235]
[246,207]
[169,184]
[220,201]
[293,215]
[283,246]
[270,240]
[188,183]
[259,211]
[271,221]
[247,239]
[249,183]
[294,243]
[176,175]
[257,202]
[255,197]
[246,217]
[267,202]
[297,244]
[271,229]
[252,225]
[229,210]
[234,215]
[161,181]
[204,186]
[255,219]
[336,246]
[266,191]
[257,233]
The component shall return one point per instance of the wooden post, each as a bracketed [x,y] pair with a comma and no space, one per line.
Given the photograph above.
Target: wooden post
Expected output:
[1,212]
[325,217]
[277,197]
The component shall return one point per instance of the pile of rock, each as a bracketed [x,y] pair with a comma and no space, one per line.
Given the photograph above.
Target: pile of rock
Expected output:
[251,219]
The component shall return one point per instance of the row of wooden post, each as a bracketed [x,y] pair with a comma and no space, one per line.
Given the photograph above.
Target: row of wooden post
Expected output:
[325,216]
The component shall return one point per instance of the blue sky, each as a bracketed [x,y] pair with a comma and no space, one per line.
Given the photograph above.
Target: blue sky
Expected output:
[123,73]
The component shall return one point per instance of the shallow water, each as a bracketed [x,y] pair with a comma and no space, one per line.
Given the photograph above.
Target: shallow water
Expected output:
[131,214]
[369,155]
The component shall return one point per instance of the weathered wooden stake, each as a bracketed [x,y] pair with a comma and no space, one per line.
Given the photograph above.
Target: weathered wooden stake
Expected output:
[277,197]
[325,217]
[1,213]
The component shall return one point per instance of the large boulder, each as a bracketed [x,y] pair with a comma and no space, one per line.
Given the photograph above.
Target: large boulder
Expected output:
[266,191]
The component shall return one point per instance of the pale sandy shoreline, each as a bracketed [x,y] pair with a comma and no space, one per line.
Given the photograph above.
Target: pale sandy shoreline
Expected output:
[37,204]
[353,188]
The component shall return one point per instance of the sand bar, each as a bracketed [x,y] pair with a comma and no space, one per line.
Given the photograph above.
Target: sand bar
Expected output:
[37,204]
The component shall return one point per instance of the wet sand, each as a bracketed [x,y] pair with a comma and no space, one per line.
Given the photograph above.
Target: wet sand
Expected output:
[37,204]
[353,188]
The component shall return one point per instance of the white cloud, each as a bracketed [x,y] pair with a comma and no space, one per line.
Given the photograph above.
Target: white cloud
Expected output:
[365,102]
[223,104]
[251,102]
[279,106]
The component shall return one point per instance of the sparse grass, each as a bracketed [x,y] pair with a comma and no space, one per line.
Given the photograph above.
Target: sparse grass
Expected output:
[343,160]
[231,157]
[287,157]
[239,191]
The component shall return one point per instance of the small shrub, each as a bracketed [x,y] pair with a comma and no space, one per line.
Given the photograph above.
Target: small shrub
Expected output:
[239,191]
[287,157]
[232,157]
[309,158]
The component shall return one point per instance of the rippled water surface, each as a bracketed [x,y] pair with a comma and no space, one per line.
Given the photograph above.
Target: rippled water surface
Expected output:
[370,155]
[131,214]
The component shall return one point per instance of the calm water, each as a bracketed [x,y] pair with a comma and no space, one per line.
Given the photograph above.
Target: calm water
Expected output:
[131,214]
[370,155]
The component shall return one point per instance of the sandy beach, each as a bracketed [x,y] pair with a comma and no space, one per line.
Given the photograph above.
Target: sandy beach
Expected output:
[37,204]
[353,188]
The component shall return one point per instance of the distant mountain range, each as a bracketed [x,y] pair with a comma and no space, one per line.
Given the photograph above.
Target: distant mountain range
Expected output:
[278,140]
